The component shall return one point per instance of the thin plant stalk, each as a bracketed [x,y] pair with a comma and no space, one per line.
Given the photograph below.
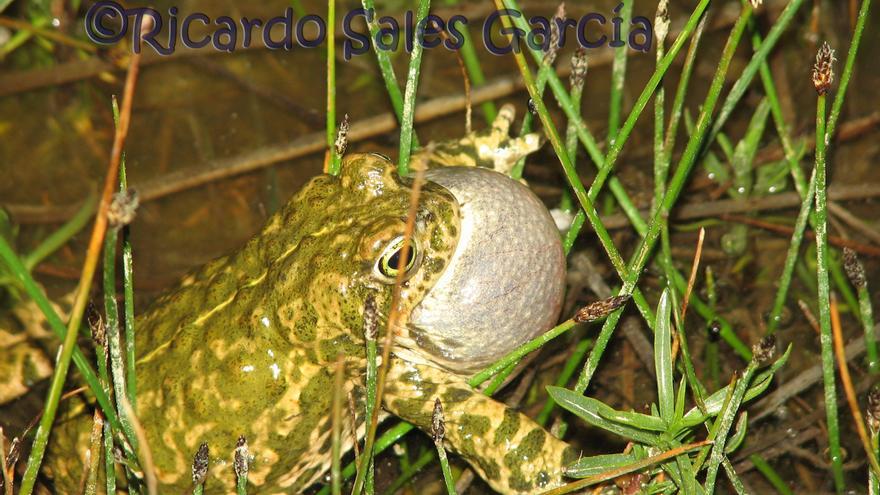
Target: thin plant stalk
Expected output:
[111,328]
[725,422]
[873,479]
[791,257]
[448,479]
[475,73]
[109,460]
[336,429]
[118,375]
[438,431]
[772,476]
[335,159]
[63,234]
[848,67]
[409,98]
[824,301]
[128,302]
[385,67]
[410,471]
[370,329]
[677,110]
[41,437]
[866,315]
[661,161]
[618,73]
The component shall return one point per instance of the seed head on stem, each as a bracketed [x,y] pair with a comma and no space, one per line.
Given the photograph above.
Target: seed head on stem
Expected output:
[823,70]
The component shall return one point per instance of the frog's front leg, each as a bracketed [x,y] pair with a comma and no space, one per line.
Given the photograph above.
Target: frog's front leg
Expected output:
[507,449]
[490,148]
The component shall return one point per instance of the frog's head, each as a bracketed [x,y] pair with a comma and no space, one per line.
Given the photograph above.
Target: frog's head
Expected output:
[484,274]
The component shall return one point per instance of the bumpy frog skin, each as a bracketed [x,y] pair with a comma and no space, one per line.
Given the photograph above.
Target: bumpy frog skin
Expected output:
[246,345]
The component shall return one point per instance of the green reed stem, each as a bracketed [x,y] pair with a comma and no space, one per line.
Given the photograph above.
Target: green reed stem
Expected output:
[109,459]
[772,476]
[677,110]
[475,73]
[838,278]
[41,438]
[713,363]
[866,313]
[410,471]
[660,217]
[618,74]
[824,301]
[725,420]
[335,159]
[873,480]
[571,365]
[128,300]
[540,84]
[848,67]
[118,375]
[111,310]
[63,234]
[409,99]
[444,466]
[370,401]
[521,351]
[791,257]
[336,427]
[661,158]
[384,61]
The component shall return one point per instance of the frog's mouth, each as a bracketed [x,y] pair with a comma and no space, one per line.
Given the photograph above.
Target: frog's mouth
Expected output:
[504,282]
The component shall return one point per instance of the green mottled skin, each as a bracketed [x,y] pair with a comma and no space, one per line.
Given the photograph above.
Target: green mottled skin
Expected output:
[245,346]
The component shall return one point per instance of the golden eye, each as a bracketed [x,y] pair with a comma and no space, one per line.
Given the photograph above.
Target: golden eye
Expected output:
[389,260]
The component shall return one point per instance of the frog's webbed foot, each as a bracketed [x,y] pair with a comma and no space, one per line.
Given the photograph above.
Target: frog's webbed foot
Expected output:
[491,148]
[506,448]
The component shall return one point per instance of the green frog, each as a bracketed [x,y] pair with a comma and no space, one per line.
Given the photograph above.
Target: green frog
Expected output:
[247,344]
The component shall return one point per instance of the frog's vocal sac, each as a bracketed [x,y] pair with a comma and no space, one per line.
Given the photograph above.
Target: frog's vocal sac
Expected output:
[246,345]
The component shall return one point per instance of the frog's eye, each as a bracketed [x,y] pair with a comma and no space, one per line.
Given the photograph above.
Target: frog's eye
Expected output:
[386,266]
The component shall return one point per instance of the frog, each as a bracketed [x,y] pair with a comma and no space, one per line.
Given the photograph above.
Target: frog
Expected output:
[247,345]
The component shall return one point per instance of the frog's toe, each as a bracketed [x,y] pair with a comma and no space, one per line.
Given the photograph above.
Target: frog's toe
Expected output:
[505,117]
[504,155]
